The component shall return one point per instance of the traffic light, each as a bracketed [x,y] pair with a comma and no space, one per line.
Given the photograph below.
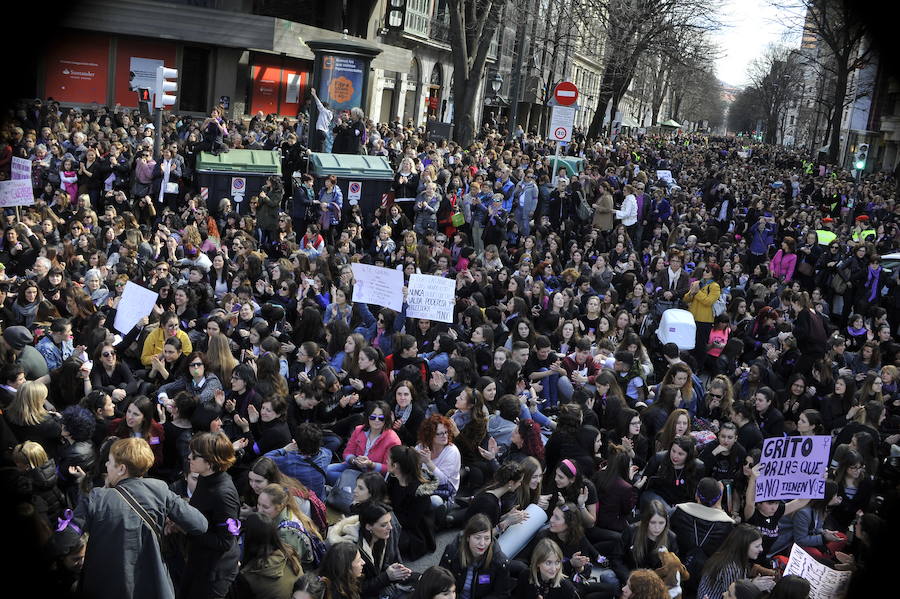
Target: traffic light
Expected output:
[145,98]
[166,81]
[862,153]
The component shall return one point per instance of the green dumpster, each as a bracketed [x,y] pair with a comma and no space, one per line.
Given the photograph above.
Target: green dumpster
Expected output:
[572,164]
[235,175]
[363,179]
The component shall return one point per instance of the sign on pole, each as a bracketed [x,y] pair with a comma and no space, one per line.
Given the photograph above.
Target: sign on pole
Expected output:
[16,192]
[793,468]
[354,190]
[561,121]
[565,93]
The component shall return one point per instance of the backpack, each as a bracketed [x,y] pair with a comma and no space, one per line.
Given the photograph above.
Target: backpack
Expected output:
[315,545]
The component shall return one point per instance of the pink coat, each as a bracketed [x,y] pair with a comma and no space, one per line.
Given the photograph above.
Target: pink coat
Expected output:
[782,265]
[356,447]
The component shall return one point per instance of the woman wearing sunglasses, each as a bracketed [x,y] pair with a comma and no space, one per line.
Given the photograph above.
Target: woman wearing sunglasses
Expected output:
[370,443]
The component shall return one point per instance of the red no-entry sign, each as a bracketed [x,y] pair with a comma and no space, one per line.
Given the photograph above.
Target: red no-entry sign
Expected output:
[565,93]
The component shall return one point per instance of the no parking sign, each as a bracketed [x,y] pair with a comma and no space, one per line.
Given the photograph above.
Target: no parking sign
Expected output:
[354,191]
[238,186]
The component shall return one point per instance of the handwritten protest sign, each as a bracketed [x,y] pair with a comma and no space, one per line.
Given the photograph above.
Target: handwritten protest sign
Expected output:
[21,168]
[377,285]
[824,582]
[430,297]
[793,468]
[17,192]
[136,303]
[664,176]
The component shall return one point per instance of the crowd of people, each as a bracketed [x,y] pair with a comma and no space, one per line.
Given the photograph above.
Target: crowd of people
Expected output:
[262,434]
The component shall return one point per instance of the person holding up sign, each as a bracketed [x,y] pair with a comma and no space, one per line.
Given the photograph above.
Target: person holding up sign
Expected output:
[765,515]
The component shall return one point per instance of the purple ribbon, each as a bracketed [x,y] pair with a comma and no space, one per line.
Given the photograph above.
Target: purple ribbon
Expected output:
[66,521]
[234,526]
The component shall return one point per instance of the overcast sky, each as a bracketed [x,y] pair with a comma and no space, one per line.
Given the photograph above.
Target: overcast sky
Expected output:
[752,25]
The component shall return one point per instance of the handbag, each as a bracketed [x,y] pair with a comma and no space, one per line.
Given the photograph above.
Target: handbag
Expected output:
[341,495]
[171,187]
[458,219]
[805,269]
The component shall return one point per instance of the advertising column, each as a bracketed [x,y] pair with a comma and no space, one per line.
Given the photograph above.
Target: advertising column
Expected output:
[341,74]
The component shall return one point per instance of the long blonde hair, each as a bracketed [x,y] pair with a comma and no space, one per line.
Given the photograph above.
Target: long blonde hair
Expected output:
[282,499]
[220,359]
[544,549]
[27,408]
[30,453]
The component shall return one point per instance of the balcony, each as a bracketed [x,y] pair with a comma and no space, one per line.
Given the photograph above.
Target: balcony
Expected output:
[432,29]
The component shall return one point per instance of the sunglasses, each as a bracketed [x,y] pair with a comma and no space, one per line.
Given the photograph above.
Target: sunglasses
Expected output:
[716,396]
[196,365]
[374,417]
[108,354]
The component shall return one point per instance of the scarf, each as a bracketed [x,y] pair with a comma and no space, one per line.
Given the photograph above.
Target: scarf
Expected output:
[872,282]
[25,312]
[402,414]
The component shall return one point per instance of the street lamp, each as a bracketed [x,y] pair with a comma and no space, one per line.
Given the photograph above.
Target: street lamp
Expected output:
[496,83]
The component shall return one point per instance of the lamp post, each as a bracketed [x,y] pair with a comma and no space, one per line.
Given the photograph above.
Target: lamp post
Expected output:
[496,83]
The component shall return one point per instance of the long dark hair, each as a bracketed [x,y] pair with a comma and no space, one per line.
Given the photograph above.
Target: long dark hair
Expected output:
[261,540]
[147,409]
[336,572]
[734,551]
[617,465]
[434,580]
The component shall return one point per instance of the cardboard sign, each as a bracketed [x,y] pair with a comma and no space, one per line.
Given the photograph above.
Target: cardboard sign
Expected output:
[17,192]
[793,468]
[21,168]
[378,285]
[430,297]
[824,582]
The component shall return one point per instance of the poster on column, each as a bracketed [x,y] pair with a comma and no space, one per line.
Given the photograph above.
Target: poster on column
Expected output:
[793,468]
[142,72]
[430,297]
[378,285]
[824,582]
[342,81]
[21,168]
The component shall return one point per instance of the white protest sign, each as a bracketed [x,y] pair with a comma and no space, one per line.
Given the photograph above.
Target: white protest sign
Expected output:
[136,303]
[17,192]
[743,154]
[793,468]
[824,582]
[377,285]
[664,176]
[430,297]
[21,168]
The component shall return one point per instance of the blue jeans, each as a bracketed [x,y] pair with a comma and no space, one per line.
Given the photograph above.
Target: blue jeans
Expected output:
[550,391]
[525,414]
[333,472]
[566,389]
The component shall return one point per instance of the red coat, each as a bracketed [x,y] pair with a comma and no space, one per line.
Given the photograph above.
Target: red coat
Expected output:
[356,446]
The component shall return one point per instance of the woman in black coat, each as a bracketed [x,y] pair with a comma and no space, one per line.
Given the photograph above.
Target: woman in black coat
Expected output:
[474,556]
[378,546]
[212,562]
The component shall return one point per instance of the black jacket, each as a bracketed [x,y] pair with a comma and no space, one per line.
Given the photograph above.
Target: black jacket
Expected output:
[700,531]
[490,580]
[212,562]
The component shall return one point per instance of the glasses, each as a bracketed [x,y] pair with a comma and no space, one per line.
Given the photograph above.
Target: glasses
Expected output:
[374,417]
[195,456]
[109,354]
[441,433]
[715,395]
[196,365]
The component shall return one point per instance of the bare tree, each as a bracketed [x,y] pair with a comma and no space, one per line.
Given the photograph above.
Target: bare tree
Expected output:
[841,30]
[636,27]
[777,77]
[472,27]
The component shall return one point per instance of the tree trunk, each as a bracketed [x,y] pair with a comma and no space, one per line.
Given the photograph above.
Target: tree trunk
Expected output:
[840,92]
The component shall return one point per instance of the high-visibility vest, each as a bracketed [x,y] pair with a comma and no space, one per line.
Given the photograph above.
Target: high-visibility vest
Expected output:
[825,236]
[865,233]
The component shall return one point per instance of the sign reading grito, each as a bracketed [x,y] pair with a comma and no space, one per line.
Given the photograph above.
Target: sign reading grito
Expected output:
[793,468]
[342,81]
[430,297]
